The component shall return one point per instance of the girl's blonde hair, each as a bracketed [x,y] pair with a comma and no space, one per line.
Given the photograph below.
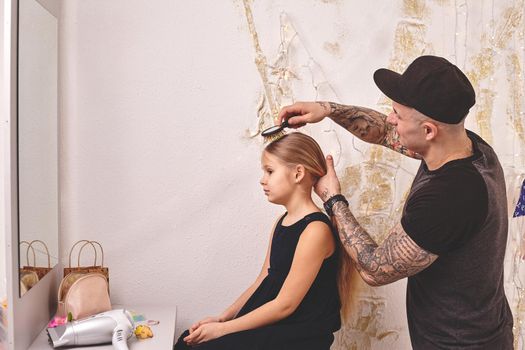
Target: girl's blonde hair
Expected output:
[296,148]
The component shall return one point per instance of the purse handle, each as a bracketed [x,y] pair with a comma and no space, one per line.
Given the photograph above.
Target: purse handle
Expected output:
[86,242]
[101,252]
[45,246]
[27,252]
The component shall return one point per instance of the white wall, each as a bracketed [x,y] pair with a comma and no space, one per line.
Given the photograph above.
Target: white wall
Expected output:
[156,100]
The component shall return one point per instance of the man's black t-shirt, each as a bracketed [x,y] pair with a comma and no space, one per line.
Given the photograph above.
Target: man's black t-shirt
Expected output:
[459,212]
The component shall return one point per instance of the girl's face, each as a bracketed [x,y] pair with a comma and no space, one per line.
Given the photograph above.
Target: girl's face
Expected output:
[278,179]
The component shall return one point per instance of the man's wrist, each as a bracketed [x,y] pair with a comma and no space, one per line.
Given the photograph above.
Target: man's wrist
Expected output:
[329,203]
[326,107]
[326,194]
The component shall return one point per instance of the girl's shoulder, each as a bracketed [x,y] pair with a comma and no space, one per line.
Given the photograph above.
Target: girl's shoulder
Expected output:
[319,234]
[306,220]
[318,216]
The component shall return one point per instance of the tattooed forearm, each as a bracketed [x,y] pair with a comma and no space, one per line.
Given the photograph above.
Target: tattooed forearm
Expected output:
[367,124]
[397,257]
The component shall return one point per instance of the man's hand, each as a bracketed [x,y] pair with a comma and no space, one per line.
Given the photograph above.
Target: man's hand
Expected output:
[301,113]
[206,332]
[328,185]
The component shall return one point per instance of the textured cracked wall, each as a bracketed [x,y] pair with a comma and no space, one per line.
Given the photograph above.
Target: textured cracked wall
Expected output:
[489,48]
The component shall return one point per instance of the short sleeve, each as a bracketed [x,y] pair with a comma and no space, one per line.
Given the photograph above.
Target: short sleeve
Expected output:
[447,211]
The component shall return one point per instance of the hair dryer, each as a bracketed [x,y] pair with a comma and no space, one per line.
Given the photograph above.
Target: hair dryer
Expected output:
[114,326]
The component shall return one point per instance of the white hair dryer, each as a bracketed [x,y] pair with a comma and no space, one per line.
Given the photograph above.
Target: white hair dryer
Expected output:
[114,326]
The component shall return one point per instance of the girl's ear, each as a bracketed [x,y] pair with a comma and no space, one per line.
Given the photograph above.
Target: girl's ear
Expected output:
[300,172]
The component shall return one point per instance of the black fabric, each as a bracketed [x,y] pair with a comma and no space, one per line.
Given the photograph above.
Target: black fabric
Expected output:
[447,206]
[312,324]
[459,212]
[432,85]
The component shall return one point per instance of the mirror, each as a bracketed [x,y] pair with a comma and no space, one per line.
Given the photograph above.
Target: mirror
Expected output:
[37,140]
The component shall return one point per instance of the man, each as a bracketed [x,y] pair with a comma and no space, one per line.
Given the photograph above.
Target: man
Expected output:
[450,241]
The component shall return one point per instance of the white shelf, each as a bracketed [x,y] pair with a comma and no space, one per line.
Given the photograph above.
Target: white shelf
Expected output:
[163,333]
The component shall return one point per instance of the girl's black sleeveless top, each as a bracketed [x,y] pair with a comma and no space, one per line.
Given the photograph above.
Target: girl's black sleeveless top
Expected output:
[320,307]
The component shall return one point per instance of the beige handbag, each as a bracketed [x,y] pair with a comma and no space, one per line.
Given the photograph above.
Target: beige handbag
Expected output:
[83,291]
[41,271]
[28,277]
[84,269]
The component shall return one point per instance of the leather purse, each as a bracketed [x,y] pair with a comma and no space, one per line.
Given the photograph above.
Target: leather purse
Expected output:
[84,290]
[31,274]
[40,271]
[28,278]
[83,294]
[91,268]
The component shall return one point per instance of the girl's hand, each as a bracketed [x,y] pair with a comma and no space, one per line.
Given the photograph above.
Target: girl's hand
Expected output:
[206,332]
[204,321]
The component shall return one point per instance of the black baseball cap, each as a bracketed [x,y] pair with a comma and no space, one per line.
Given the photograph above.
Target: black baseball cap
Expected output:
[432,85]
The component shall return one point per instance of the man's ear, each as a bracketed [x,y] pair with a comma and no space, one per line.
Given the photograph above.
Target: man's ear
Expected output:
[431,130]
[300,172]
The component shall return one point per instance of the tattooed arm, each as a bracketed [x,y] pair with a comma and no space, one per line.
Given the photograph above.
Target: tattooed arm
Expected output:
[366,124]
[397,257]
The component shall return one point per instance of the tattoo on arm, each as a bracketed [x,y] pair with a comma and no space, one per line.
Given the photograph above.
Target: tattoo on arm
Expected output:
[325,194]
[326,106]
[397,257]
[364,123]
[368,125]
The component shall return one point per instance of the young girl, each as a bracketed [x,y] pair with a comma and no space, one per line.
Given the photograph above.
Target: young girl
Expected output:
[294,302]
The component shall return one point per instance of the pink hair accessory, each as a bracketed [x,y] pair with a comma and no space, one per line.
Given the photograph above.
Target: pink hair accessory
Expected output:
[57,321]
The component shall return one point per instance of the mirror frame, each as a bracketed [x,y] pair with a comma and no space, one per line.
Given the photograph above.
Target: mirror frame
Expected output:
[29,315]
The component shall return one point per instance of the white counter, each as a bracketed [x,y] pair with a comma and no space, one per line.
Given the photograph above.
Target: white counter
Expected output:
[163,333]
